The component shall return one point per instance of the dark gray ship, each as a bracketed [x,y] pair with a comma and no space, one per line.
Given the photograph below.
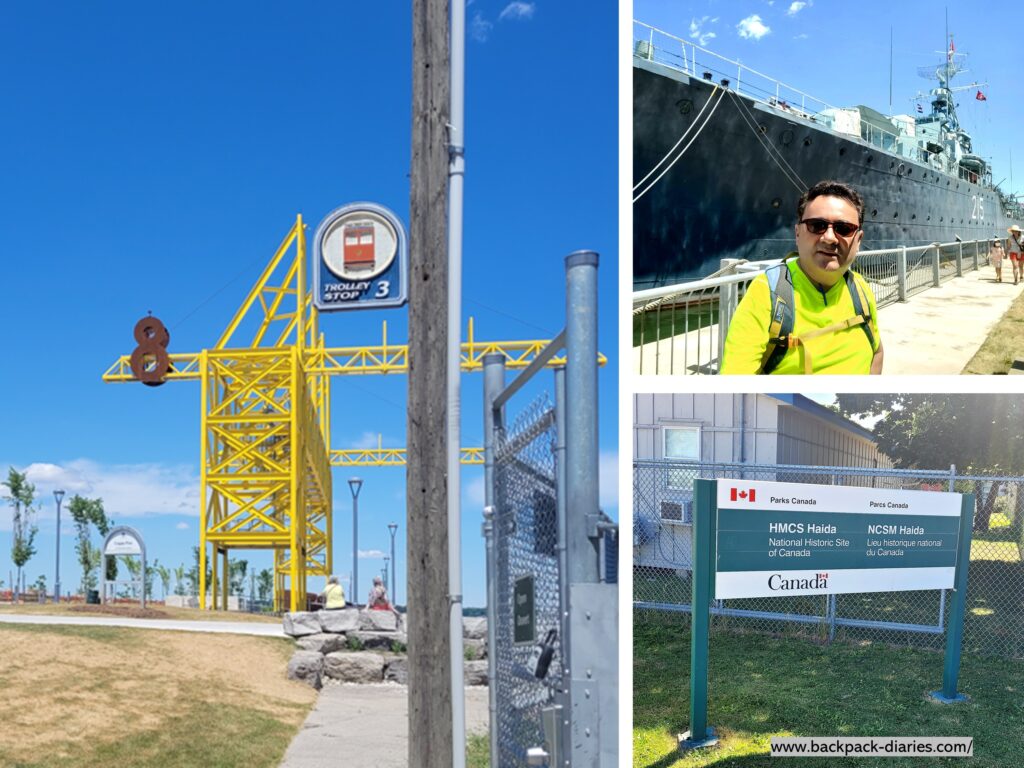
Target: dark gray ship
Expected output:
[722,153]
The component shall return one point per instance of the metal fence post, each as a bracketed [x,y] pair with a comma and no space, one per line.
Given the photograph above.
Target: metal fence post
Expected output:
[494,383]
[977,248]
[561,500]
[935,266]
[581,457]
[959,259]
[901,269]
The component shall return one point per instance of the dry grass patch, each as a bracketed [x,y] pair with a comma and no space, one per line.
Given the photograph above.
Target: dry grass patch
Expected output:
[82,696]
[1004,344]
[153,611]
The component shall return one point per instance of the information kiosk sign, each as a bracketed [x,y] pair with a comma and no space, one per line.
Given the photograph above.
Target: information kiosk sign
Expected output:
[779,539]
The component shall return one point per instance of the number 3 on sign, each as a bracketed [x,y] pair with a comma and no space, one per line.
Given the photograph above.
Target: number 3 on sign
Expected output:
[383,289]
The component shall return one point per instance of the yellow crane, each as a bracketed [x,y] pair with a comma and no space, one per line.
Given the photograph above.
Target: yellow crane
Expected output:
[265,455]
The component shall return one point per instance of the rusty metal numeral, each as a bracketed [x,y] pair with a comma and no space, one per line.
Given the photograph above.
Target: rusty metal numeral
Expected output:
[149,361]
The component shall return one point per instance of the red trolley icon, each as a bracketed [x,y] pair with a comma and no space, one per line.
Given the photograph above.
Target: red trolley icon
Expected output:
[359,246]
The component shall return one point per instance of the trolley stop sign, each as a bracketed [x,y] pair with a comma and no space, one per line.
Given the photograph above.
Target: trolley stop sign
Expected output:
[360,259]
[780,539]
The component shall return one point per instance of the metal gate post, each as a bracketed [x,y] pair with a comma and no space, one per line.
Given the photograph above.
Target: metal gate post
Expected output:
[935,265]
[494,383]
[959,259]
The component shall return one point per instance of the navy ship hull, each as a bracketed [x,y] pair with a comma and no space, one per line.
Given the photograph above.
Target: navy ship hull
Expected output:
[730,197]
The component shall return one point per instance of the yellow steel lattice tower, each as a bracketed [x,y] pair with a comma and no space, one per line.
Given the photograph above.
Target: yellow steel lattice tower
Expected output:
[266,480]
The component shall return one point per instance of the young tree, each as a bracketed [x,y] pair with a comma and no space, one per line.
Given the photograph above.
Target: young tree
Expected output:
[20,495]
[165,577]
[236,575]
[265,584]
[179,580]
[85,513]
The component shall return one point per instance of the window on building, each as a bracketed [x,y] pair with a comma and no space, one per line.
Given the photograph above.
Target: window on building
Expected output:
[681,442]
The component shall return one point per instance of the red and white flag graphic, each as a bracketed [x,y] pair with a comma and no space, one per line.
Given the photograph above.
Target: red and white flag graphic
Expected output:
[738,495]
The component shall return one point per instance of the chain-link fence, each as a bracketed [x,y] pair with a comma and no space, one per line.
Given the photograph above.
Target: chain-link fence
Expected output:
[994,623]
[526,538]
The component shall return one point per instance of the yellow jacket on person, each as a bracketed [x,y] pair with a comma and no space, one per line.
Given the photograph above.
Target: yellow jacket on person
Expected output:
[334,596]
[843,351]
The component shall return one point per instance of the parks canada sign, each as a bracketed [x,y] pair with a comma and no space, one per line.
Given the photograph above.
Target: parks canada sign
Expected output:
[781,539]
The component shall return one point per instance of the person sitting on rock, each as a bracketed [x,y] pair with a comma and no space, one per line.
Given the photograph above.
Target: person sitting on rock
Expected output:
[378,598]
[333,596]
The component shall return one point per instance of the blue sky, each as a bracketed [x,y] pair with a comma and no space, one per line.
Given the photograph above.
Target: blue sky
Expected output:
[153,158]
[839,53]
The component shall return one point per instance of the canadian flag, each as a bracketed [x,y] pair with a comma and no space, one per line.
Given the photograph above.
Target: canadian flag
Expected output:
[737,495]
[980,96]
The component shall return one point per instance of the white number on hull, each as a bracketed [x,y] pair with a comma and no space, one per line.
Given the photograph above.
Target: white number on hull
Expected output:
[978,211]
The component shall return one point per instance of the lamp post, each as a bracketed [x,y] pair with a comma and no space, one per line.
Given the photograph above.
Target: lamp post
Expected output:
[354,484]
[384,573]
[392,527]
[58,496]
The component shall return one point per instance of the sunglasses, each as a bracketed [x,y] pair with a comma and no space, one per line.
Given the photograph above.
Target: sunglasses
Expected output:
[820,226]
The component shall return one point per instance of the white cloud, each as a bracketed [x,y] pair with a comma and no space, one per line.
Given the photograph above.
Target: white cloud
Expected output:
[127,490]
[795,8]
[473,493]
[372,554]
[752,27]
[479,28]
[801,36]
[182,526]
[697,30]
[517,10]
[370,440]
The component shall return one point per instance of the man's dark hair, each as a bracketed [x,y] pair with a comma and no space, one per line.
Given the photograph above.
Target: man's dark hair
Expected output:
[832,189]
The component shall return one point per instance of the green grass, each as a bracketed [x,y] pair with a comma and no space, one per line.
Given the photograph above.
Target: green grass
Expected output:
[478,751]
[122,638]
[669,322]
[760,686]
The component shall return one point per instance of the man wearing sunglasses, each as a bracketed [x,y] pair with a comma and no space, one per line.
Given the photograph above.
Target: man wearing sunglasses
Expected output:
[811,314]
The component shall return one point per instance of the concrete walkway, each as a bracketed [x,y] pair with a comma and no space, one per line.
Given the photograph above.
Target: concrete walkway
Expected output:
[225,627]
[366,725]
[939,330]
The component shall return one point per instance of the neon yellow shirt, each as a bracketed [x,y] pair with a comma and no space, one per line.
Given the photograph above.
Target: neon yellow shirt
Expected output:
[844,351]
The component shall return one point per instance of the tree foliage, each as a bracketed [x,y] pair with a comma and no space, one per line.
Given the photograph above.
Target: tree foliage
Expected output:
[980,434]
[88,513]
[21,495]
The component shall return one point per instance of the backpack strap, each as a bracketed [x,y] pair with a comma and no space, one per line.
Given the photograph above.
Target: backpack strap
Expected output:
[860,306]
[780,323]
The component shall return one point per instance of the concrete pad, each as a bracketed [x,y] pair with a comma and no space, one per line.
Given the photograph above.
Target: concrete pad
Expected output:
[939,330]
[355,724]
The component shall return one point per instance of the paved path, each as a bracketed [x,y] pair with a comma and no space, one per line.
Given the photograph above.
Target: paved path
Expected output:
[941,329]
[227,627]
[366,725]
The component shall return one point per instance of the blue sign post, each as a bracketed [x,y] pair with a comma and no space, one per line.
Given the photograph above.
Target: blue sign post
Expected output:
[763,539]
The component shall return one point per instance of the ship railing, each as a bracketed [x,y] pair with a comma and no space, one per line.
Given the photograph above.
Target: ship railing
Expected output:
[681,329]
[653,44]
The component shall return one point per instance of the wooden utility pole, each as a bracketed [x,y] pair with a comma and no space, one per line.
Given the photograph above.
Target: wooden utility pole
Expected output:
[430,701]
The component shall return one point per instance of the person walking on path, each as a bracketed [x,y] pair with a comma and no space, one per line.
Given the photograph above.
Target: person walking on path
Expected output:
[333,595]
[1015,252]
[995,255]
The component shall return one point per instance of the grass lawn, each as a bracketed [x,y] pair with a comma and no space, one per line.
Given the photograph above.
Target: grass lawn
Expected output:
[760,686]
[79,697]
[1003,344]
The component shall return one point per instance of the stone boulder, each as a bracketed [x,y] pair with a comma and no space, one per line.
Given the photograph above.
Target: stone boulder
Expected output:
[321,642]
[341,621]
[397,671]
[354,667]
[475,672]
[379,640]
[301,623]
[378,621]
[307,667]
[475,627]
